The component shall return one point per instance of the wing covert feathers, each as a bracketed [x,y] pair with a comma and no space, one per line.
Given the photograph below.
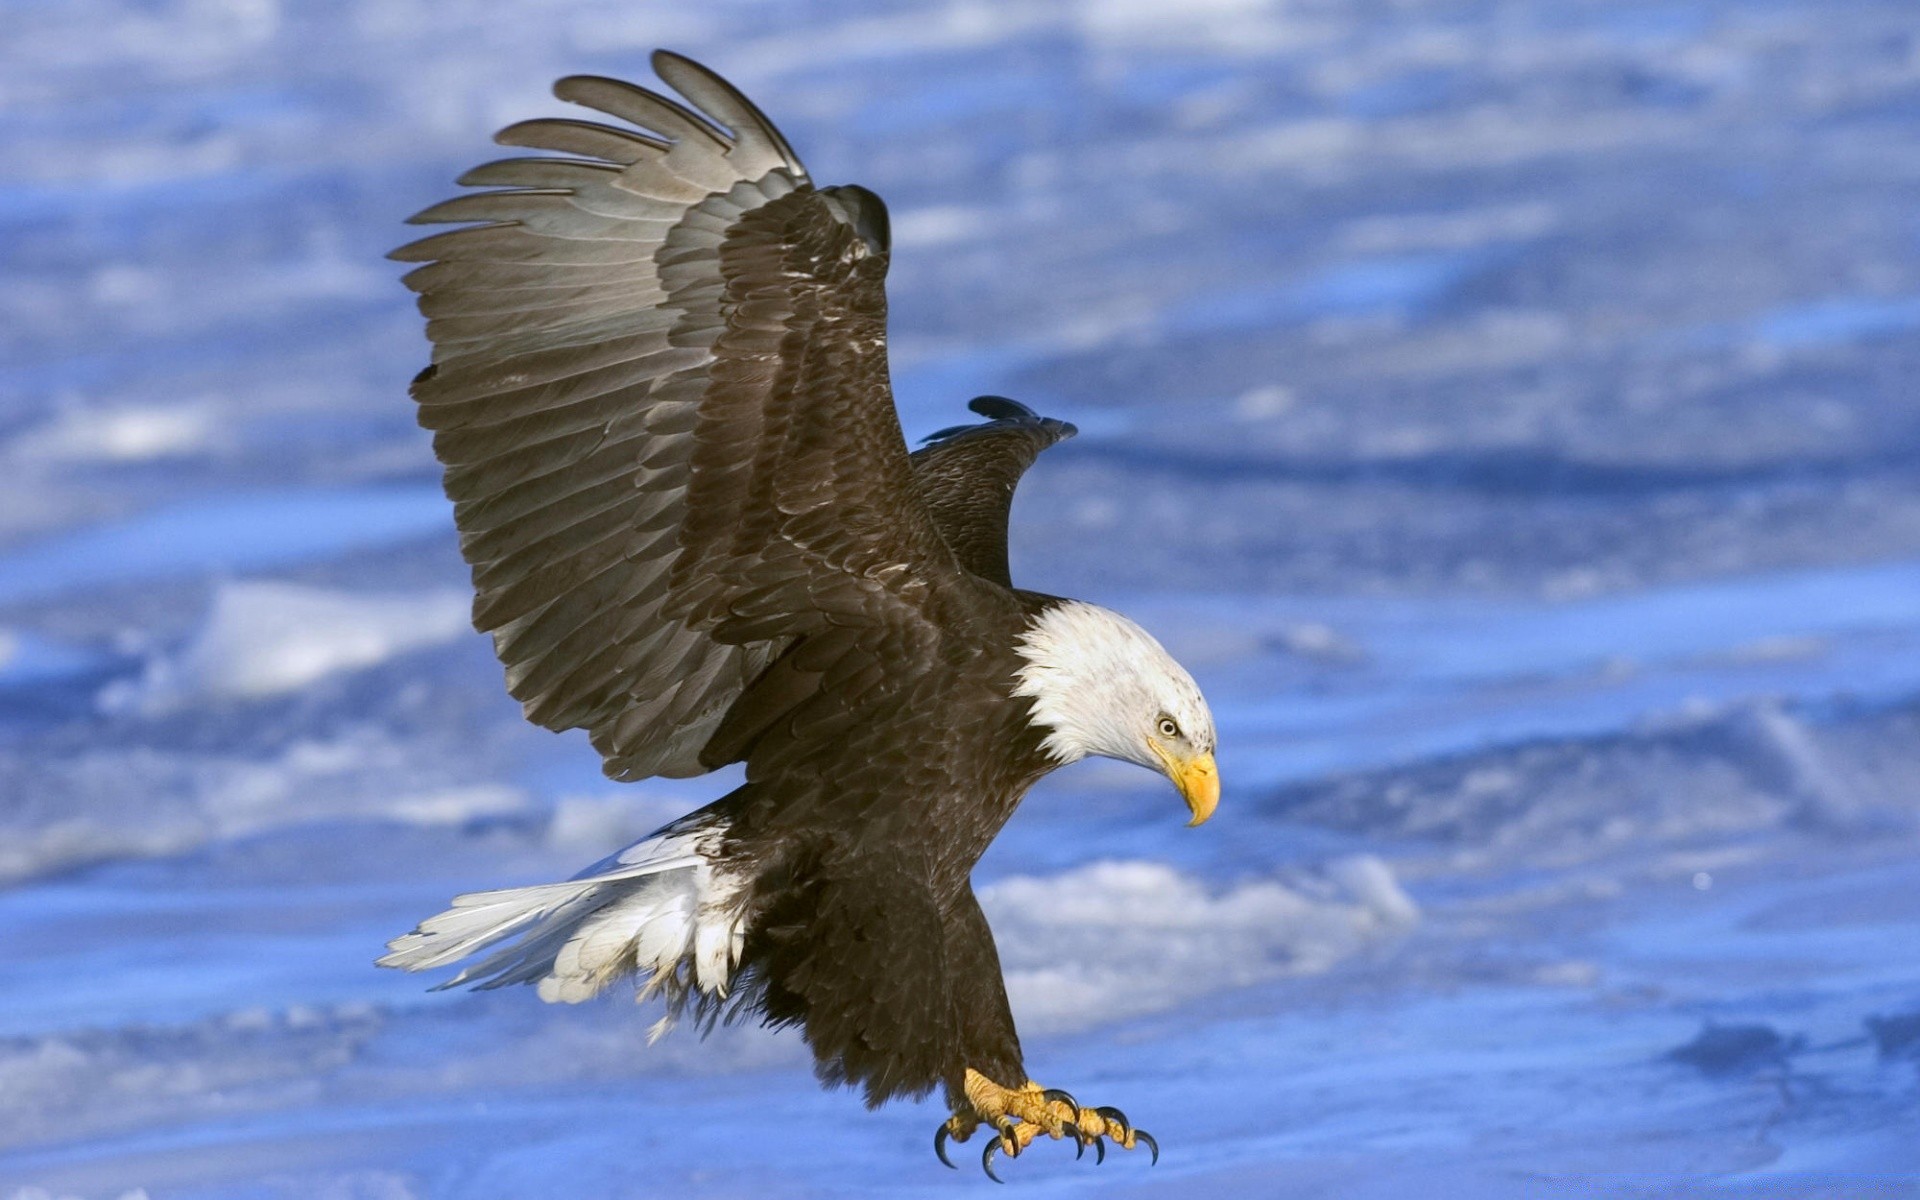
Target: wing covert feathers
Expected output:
[967,475]
[640,346]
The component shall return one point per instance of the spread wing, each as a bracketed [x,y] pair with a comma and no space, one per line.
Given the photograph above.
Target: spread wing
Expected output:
[659,390]
[967,475]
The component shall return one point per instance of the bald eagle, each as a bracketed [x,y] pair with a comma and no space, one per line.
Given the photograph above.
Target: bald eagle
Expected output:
[659,391]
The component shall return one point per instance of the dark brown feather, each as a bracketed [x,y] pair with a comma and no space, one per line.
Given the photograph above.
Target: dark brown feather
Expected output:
[967,475]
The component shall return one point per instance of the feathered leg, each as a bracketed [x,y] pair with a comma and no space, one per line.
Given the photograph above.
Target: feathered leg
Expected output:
[990,1051]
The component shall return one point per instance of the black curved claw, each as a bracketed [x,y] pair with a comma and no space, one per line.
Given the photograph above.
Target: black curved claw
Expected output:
[1060,1094]
[1141,1135]
[1099,1151]
[1114,1116]
[940,1136]
[986,1160]
[1069,1129]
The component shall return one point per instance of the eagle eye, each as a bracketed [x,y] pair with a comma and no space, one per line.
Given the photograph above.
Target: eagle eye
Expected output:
[1168,729]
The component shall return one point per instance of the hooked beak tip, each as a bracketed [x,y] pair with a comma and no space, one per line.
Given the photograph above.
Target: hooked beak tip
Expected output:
[1199,783]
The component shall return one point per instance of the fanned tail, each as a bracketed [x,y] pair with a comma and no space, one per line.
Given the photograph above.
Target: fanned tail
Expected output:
[664,908]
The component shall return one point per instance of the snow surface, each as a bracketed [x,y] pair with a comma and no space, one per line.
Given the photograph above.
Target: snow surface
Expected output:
[263,637]
[1505,407]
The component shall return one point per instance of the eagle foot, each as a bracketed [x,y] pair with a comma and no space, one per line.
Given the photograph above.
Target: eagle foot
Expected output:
[1019,1115]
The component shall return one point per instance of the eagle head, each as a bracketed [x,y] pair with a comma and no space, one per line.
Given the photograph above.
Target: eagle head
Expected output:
[1100,684]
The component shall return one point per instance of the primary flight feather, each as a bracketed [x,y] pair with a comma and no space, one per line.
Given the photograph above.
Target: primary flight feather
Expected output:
[659,390]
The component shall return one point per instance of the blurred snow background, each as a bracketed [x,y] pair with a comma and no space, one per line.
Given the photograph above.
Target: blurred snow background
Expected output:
[1506,406]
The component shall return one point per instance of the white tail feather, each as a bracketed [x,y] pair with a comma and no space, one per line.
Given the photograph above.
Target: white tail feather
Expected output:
[712,963]
[664,909]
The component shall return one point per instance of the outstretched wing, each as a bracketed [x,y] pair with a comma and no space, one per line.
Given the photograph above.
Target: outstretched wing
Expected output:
[659,390]
[967,475]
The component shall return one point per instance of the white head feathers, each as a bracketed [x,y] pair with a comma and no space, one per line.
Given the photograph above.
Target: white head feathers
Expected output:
[1102,685]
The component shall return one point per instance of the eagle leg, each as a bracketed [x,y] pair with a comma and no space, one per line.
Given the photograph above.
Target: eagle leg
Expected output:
[1019,1115]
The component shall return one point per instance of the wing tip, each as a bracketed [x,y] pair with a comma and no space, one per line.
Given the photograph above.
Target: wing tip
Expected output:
[564,86]
[998,408]
[711,93]
[1000,411]
[672,58]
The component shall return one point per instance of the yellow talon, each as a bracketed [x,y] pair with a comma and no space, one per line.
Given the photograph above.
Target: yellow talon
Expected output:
[1019,1115]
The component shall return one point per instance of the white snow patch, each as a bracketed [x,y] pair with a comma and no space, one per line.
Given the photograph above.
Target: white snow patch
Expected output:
[1320,642]
[938,225]
[1409,232]
[583,823]
[1268,400]
[134,433]
[139,802]
[266,638]
[1236,27]
[1122,938]
[455,805]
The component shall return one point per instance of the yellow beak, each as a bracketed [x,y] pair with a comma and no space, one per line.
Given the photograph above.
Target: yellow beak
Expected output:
[1198,781]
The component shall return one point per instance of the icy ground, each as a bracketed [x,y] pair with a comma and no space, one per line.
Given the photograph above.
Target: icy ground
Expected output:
[1508,407]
